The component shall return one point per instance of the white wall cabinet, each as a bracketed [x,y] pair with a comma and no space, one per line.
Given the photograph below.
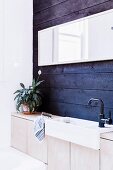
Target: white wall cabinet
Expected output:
[23,139]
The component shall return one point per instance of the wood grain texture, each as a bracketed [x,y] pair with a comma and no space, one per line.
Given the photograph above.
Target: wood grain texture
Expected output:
[19,139]
[100,81]
[35,148]
[68,87]
[76,14]
[73,110]
[45,4]
[106,155]
[65,8]
[23,138]
[58,11]
[83,158]
[77,96]
[58,154]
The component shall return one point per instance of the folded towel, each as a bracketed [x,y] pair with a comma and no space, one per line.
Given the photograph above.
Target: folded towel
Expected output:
[39,128]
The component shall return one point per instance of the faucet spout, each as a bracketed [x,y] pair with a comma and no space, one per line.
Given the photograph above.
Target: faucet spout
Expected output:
[97,101]
[94,102]
[102,119]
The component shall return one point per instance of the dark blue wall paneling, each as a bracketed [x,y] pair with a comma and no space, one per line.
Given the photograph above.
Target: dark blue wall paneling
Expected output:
[68,87]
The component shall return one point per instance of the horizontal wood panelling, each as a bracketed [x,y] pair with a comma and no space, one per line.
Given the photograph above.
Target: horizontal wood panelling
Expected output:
[83,68]
[100,81]
[67,88]
[59,10]
[75,15]
[74,110]
[65,8]
[77,96]
[44,4]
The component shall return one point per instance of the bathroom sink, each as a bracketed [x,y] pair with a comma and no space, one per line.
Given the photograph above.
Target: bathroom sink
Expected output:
[75,121]
[78,131]
[84,123]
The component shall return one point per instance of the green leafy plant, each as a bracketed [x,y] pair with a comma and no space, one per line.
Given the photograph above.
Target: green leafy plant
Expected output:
[30,97]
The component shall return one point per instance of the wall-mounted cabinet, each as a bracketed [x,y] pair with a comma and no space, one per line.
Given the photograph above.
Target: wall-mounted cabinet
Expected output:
[84,40]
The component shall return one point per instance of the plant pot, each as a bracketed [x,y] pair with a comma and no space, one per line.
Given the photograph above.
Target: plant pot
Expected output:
[30,113]
[25,108]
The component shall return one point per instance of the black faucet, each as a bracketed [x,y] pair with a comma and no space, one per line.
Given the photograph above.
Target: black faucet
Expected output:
[102,119]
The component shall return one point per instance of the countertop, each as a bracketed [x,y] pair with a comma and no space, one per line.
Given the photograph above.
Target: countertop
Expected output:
[31,117]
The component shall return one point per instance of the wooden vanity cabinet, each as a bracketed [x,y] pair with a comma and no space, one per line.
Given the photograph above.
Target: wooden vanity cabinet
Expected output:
[19,134]
[106,152]
[69,156]
[83,158]
[23,139]
[58,154]
[35,148]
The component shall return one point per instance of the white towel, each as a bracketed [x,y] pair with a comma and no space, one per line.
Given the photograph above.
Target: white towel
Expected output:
[39,128]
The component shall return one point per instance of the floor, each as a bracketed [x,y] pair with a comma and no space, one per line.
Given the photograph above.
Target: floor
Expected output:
[11,159]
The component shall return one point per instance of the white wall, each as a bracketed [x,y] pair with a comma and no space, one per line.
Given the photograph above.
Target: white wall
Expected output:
[15,57]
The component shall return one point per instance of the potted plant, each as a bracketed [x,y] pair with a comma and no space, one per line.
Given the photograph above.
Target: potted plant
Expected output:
[29,99]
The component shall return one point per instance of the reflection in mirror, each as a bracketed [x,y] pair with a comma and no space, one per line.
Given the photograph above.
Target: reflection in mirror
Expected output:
[83,40]
[71,41]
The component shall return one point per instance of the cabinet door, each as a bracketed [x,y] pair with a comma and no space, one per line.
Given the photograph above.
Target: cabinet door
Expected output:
[36,149]
[19,133]
[106,155]
[58,154]
[83,158]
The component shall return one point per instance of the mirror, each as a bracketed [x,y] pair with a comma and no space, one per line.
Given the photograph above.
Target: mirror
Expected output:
[83,40]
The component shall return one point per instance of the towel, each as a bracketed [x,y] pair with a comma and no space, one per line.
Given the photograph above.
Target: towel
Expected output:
[39,128]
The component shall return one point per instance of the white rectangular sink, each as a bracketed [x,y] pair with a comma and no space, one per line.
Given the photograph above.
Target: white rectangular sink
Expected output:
[78,131]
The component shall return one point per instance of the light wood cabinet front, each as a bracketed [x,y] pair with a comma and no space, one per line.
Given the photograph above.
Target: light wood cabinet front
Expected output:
[106,155]
[19,134]
[83,158]
[58,154]
[23,139]
[36,149]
